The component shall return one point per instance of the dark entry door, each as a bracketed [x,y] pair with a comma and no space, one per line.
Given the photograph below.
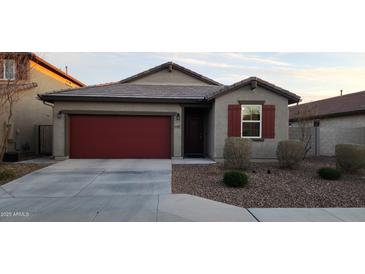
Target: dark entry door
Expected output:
[194,133]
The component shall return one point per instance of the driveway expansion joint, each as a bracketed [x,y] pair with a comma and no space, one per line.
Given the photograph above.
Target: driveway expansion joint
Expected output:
[249,211]
[7,192]
[93,180]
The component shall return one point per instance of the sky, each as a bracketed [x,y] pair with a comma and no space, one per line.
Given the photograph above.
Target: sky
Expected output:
[313,76]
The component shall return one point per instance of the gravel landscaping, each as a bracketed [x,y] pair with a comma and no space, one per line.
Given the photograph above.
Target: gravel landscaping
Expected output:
[270,186]
[19,170]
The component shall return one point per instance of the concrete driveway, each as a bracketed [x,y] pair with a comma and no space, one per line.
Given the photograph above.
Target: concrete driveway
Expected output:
[95,177]
[107,190]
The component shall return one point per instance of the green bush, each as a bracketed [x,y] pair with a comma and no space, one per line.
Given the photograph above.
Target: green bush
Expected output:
[237,153]
[235,178]
[290,153]
[349,157]
[329,173]
[6,174]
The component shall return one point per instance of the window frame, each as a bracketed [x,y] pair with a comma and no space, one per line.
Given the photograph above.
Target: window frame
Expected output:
[3,77]
[251,121]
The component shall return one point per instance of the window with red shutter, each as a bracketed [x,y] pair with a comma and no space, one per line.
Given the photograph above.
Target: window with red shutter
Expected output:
[251,121]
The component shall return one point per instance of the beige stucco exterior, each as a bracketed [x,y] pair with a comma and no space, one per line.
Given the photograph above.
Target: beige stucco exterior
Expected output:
[216,121]
[29,112]
[215,116]
[165,77]
[261,149]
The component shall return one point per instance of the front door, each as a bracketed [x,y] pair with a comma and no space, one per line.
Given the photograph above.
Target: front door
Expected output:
[194,132]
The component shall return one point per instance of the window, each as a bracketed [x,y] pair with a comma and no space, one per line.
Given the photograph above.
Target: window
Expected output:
[251,116]
[7,71]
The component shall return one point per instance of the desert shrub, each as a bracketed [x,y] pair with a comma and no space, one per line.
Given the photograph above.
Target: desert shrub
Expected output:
[235,178]
[6,174]
[290,153]
[329,173]
[237,153]
[350,157]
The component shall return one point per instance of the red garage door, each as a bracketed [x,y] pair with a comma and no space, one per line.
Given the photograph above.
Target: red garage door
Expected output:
[120,136]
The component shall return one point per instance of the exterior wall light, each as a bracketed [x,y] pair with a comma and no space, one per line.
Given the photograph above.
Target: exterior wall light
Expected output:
[59,115]
[177,116]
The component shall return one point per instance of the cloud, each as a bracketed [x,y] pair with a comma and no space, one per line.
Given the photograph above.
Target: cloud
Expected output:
[330,73]
[202,59]
[239,56]
[319,76]
[201,62]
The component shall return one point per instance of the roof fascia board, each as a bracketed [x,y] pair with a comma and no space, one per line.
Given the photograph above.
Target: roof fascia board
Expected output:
[35,58]
[50,98]
[171,66]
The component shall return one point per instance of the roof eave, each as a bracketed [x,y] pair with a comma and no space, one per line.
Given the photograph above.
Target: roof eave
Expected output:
[175,66]
[34,57]
[52,99]
[331,115]
[292,98]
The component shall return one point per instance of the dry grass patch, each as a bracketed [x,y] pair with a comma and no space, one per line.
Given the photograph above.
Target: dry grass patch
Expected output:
[14,171]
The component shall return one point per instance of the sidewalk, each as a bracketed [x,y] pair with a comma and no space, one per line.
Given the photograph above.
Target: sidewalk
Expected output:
[308,214]
[160,208]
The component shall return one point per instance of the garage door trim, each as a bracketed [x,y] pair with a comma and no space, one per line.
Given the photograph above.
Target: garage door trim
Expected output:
[68,113]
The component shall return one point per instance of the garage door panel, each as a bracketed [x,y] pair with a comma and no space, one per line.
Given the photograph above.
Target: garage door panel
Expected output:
[120,136]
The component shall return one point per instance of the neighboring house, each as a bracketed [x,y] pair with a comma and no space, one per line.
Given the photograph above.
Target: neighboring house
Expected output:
[32,76]
[332,121]
[168,112]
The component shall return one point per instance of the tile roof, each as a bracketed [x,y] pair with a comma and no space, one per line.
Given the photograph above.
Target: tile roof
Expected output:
[133,91]
[348,104]
[125,91]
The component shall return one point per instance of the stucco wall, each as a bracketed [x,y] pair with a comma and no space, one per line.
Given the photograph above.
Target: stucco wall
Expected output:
[30,112]
[211,130]
[353,121]
[165,77]
[59,124]
[330,137]
[266,148]
[339,130]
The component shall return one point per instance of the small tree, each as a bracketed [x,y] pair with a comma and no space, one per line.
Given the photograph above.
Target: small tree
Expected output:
[304,119]
[14,71]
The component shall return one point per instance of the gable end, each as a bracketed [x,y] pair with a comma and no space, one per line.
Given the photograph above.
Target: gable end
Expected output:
[156,75]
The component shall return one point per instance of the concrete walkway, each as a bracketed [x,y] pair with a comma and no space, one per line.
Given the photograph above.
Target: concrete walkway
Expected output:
[130,190]
[308,214]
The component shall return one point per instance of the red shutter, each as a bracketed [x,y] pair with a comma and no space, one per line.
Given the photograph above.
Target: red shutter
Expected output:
[268,121]
[234,120]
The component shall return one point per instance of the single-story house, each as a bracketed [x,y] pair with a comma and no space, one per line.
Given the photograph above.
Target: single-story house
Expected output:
[332,121]
[168,111]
